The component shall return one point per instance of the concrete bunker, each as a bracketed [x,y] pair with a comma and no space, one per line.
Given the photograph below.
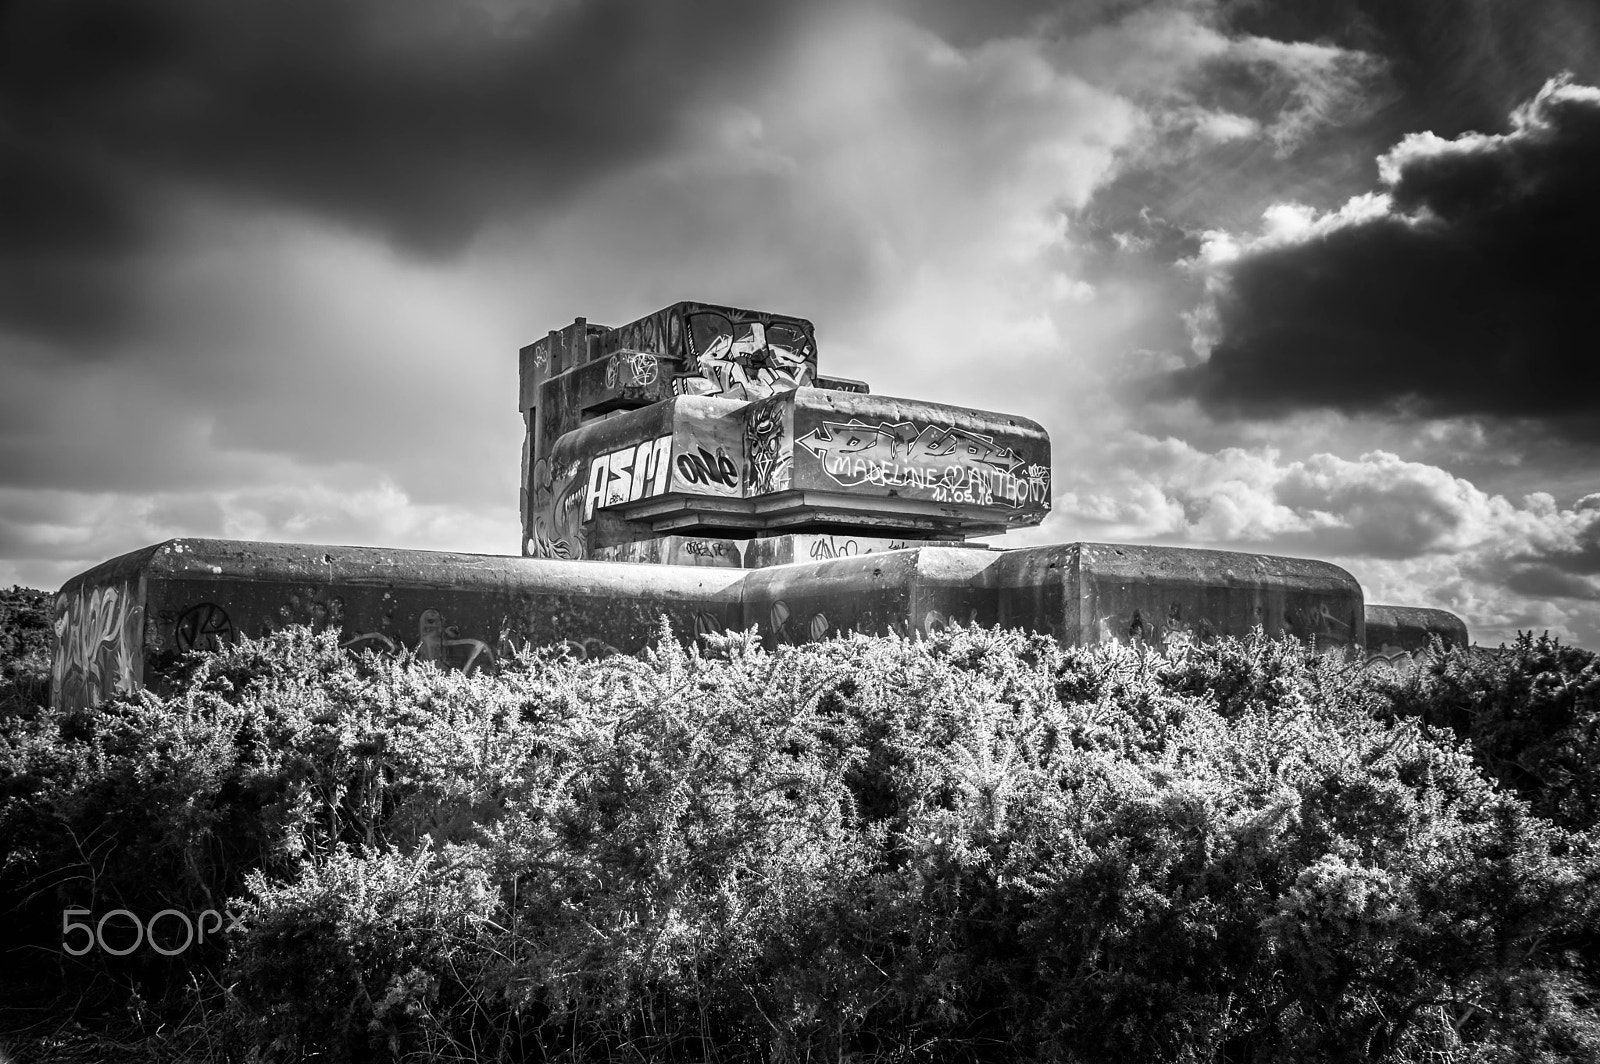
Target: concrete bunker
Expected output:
[697,464]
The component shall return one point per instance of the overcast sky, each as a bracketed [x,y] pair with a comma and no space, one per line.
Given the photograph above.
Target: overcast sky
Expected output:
[1313,277]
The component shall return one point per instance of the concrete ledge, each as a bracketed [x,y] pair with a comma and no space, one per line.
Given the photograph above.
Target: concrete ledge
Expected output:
[913,591]
[1394,630]
[122,624]
[791,547]
[1099,592]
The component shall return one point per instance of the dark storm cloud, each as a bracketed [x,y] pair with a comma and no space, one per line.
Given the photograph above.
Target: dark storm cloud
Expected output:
[1546,582]
[1448,66]
[1453,65]
[419,122]
[1470,291]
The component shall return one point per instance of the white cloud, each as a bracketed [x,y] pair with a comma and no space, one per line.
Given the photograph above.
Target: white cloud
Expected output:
[51,535]
[1530,121]
[1166,55]
[1323,84]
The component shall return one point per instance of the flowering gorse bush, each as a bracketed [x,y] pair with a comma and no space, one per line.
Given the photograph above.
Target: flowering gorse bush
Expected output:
[977,846]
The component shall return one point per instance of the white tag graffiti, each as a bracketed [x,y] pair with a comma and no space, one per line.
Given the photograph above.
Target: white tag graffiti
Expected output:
[634,472]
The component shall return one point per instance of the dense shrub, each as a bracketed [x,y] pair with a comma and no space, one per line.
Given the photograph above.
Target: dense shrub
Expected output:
[1532,714]
[24,651]
[978,846]
[348,958]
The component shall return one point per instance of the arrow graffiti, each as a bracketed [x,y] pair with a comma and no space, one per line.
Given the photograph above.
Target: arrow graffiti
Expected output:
[956,465]
[933,446]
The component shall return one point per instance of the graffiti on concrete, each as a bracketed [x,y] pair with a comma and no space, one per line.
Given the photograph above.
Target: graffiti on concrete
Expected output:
[632,369]
[205,626]
[953,464]
[660,333]
[843,444]
[882,622]
[721,351]
[375,641]
[566,493]
[1173,634]
[556,510]
[673,550]
[590,649]
[768,463]
[709,472]
[634,472]
[208,626]
[790,627]
[710,548]
[99,635]
[443,644]
[936,621]
[734,388]
[739,357]
[1320,623]
[437,641]
[778,619]
[790,630]
[825,547]
[707,623]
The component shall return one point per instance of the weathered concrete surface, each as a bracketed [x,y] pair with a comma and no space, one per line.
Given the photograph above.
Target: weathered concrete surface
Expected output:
[685,447]
[1098,592]
[909,592]
[723,351]
[790,547]
[685,349]
[122,623]
[582,372]
[805,460]
[678,550]
[708,421]
[1078,592]
[760,552]
[1396,630]
[99,624]
[986,468]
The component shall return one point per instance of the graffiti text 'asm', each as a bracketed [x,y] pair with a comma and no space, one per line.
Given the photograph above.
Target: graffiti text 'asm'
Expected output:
[633,472]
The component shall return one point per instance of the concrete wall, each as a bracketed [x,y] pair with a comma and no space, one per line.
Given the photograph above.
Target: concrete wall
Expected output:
[914,591]
[99,625]
[884,448]
[1100,592]
[465,611]
[725,351]
[123,623]
[689,350]
[806,460]
[1393,631]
